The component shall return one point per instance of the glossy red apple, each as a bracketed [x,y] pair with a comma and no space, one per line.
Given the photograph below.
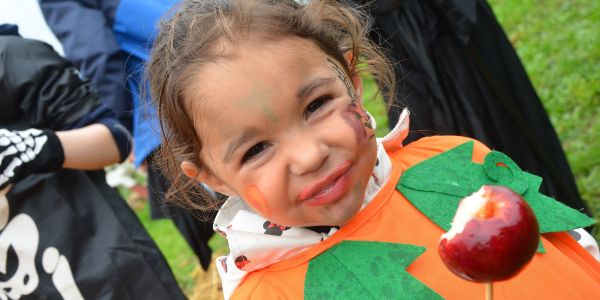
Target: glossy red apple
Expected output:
[494,234]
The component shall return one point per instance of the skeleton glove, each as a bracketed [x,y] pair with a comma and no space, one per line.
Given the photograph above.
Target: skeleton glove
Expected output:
[27,152]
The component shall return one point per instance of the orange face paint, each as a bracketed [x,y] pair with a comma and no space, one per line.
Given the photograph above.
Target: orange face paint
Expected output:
[256,199]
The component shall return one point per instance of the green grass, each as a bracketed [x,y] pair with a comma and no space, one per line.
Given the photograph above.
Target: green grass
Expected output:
[180,257]
[374,104]
[558,43]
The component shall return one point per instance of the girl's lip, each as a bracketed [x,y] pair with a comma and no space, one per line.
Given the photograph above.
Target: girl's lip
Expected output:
[328,189]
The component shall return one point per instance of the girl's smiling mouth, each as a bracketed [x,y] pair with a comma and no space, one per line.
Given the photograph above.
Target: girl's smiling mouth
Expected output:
[329,188]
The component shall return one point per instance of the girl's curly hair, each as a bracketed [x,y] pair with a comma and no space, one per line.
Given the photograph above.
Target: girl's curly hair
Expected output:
[189,37]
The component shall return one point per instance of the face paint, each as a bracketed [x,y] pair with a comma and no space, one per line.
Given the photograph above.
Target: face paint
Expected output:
[341,74]
[256,199]
[262,94]
[258,98]
[357,118]
[355,115]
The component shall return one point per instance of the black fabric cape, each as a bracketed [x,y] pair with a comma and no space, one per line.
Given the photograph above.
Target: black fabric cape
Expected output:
[110,254]
[67,229]
[459,74]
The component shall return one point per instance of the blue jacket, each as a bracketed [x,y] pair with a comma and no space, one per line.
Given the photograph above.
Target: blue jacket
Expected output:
[109,40]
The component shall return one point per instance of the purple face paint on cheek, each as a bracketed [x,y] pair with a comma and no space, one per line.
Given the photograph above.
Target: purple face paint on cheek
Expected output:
[357,118]
[353,120]
[355,115]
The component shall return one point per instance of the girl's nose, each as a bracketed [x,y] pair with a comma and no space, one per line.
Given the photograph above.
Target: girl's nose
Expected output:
[306,154]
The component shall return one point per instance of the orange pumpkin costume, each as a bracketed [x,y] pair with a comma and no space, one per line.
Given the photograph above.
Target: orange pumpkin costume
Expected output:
[565,271]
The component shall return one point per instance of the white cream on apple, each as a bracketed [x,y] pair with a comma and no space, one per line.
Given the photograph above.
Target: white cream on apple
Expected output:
[467,210]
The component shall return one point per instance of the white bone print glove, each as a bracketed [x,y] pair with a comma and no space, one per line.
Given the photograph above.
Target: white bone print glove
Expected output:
[28,152]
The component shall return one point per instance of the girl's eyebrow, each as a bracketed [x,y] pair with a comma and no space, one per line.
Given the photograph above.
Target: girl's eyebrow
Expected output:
[248,134]
[313,85]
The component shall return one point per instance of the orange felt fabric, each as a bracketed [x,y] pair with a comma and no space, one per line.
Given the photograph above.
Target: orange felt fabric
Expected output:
[566,271]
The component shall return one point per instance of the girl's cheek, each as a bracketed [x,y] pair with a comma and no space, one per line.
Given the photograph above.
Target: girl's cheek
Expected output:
[357,118]
[257,200]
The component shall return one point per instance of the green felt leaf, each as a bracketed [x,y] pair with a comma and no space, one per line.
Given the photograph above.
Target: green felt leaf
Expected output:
[365,270]
[540,247]
[436,186]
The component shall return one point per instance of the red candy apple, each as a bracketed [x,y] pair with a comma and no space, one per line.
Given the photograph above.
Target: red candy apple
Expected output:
[494,234]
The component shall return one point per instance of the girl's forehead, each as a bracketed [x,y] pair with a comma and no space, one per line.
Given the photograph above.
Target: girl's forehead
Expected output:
[255,70]
[256,83]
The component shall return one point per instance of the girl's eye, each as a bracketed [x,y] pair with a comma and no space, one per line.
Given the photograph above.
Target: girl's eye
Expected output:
[254,151]
[316,105]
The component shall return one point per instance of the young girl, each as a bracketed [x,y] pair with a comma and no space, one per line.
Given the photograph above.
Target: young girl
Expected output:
[262,101]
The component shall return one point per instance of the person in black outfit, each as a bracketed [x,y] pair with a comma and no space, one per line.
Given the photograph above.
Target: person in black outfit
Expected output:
[66,234]
[459,74]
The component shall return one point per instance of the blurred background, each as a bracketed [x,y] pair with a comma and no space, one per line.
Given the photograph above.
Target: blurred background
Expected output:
[559,44]
[557,41]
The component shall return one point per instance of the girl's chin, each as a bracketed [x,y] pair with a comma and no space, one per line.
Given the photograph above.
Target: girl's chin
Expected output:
[337,213]
[338,216]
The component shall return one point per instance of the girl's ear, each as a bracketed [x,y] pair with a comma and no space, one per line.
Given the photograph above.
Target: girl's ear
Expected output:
[355,76]
[349,60]
[192,171]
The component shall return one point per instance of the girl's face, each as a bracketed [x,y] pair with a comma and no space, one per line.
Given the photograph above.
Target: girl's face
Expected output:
[283,127]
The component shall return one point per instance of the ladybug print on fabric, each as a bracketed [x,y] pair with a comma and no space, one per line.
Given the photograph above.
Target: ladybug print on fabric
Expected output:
[274,229]
[241,261]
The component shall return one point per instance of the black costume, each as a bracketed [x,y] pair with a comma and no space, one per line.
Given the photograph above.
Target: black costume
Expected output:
[67,234]
[459,74]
